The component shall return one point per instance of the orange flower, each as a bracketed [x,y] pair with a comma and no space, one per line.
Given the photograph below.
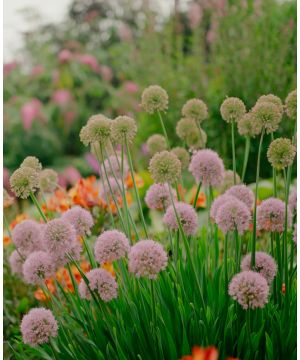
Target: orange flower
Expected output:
[138,180]
[199,353]
[39,293]
[201,201]
[6,240]
[85,193]
[182,191]
[17,220]
[109,267]
[283,288]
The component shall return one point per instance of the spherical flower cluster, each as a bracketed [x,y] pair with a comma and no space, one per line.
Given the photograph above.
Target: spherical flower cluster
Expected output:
[264,264]
[183,155]
[267,115]
[48,180]
[158,196]
[123,127]
[80,218]
[195,109]
[228,181]
[37,267]
[165,167]
[102,281]
[156,143]
[155,98]
[97,129]
[272,99]
[27,236]
[249,289]
[281,153]
[186,215]
[113,166]
[293,200]
[207,167]
[197,140]
[271,215]
[24,181]
[16,263]
[233,214]
[110,246]
[248,125]
[291,104]
[147,258]
[242,193]
[232,109]
[185,128]
[217,203]
[32,162]
[38,326]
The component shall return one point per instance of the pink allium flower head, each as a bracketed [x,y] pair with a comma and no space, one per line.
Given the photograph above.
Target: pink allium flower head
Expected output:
[242,193]
[249,289]
[233,214]
[106,73]
[61,97]
[59,237]
[37,70]
[131,87]
[38,326]
[158,196]
[102,281]
[27,236]
[16,263]
[93,162]
[207,167]
[30,111]
[187,216]
[264,264]
[293,200]
[80,218]
[90,61]
[69,176]
[69,117]
[271,215]
[147,258]
[295,234]
[110,246]
[219,201]
[111,188]
[37,267]
[113,166]
[65,56]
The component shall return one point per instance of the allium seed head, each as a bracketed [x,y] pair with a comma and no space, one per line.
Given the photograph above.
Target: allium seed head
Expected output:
[281,153]
[242,193]
[158,196]
[248,125]
[24,181]
[271,215]
[16,263]
[32,162]
[48,180]
[183,155]
[38,326]
[267,115]
[249,289]
[272,99]
[185,128]
[97,129]
[187,216]
[37,267]
[27,236]
[264,264]
[101,281]
[123,127]
[291,104]
[111,245]
[80,218]
[197,140]
[156,143]
[195,109]
[155,98]
[165,167]
[232,109]
[147,258]
[207,167]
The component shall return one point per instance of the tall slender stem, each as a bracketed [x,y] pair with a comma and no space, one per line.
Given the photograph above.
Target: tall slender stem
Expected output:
[164,129]
[226,264]
[255,201]
[246,157]
[274,174]
[233,152]
[197,194]
[36,203]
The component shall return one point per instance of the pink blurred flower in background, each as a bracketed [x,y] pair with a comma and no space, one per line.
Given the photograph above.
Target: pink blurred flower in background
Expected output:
[9,67]
[194,14]
[37,70]
[106,72]
[93,162]
[68,177]
[61,97]
[65,56]
[144,149]
[131,87]
[69,117]
[125,32]
[90,61]
[30,111]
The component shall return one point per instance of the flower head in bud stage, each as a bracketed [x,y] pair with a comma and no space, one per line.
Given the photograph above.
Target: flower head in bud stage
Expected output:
[248,125]
[147,258]
[272,99]
[32,162]
[291,104]
[48,180]
[165,167]
[195,109]
[24,181]
[156,143]
[232,109]
[123,127]
[38,326]
[281,153]
[183,155]
[264,264]
[97,129]
[158,196]
[37,267]
[154,98]
[268,115]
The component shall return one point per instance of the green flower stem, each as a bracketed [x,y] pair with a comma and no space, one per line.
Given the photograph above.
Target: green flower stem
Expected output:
[255,200]
[89,253]
[36,203]
[279,262]
[274,174]
[153,309]
[216,240]
[248,324]
[237,250]
[226,264]
[233,152]
[246,157]
[135,187]
[6,224]
[164,129]
[197,194]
